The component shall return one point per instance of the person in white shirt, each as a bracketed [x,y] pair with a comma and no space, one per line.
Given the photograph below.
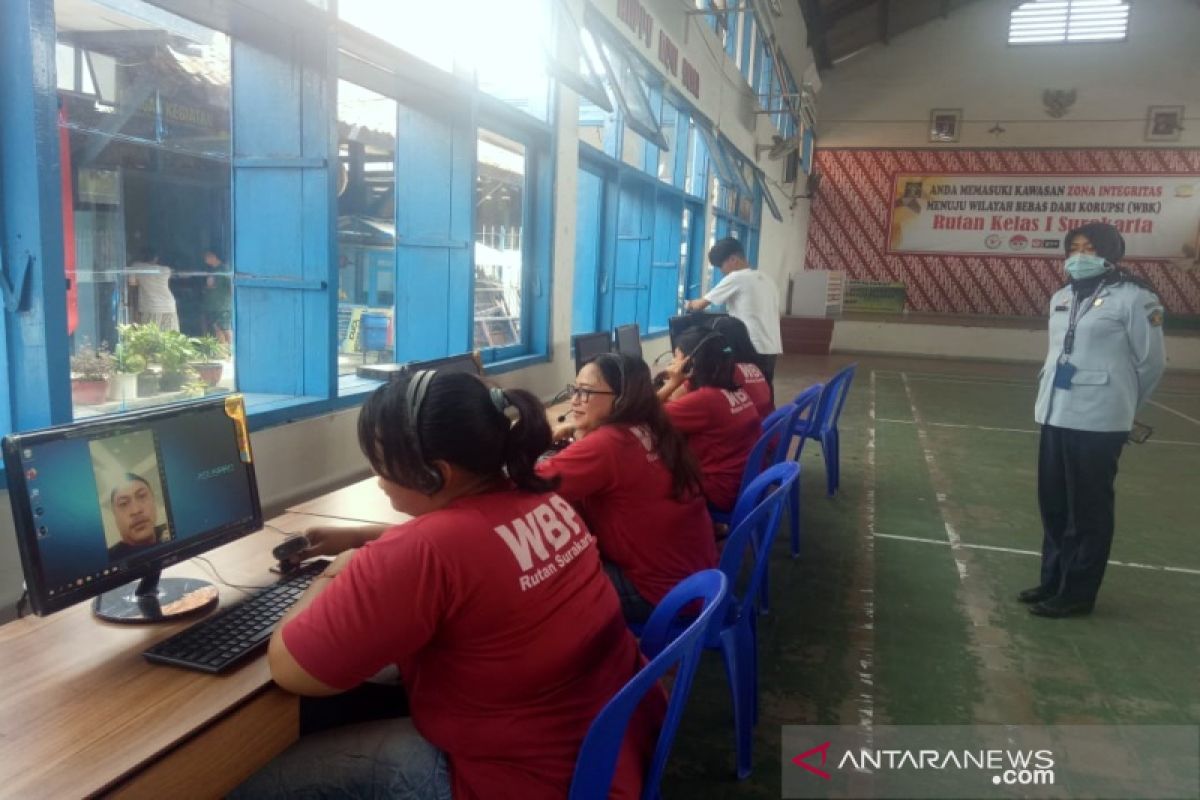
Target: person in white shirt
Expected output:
[751,297]
[156,303]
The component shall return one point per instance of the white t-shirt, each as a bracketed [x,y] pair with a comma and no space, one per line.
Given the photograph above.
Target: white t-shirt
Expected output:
[154,292]
[752,298]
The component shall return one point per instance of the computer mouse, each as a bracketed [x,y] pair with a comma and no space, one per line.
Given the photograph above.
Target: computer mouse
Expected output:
[290,547]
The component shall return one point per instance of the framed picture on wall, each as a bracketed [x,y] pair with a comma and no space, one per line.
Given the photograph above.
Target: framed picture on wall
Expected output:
[1163,123]
[944,124]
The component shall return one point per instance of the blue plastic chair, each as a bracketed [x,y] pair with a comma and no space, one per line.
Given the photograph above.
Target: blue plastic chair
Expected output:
[823,425]
[805,405]
[736,634]
[762,455]
[666,645]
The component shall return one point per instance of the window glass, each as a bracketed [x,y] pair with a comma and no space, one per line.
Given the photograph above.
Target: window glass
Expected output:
[633,149]
[697,161]
[666,156]
[499,243]
[366,205]
[504,47]
[144,138]
[639,114]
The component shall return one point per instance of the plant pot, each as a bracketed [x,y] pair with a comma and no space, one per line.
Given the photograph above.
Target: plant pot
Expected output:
[209,371]
[171,381]
[88,393]
[123,386]
[147,384]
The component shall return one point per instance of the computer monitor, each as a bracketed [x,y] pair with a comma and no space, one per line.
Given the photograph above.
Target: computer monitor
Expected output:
[463,362]
[677,325]
[589,345]
[629,340]
[98,504]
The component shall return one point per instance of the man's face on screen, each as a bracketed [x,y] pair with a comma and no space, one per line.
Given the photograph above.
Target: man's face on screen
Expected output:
[133,508]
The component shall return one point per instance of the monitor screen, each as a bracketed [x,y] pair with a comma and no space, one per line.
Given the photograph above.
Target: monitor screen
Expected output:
[589,345]
[629,340]
[100,503]
[676,325]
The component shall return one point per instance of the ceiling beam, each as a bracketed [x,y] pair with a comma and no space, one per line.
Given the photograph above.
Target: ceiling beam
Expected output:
[814,20]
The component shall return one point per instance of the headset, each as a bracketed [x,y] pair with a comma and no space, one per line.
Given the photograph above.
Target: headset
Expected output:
[430,480]
[618,401]
[708,337]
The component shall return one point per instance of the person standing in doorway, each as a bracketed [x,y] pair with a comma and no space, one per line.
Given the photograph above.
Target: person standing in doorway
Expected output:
[156,303]
[217,295]
[751,297]
[1105,358]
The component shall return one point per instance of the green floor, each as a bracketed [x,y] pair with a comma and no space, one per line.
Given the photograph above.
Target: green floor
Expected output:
[882,619]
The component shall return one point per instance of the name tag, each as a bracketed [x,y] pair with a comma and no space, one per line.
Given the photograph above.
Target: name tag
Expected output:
[1060,308]
[1063,374]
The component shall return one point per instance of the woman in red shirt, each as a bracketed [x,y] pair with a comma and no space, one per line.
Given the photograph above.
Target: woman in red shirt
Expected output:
[631,476]
[747,369]
[491,602]
[718,418]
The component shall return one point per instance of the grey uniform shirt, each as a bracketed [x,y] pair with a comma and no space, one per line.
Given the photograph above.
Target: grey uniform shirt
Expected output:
[1118,357]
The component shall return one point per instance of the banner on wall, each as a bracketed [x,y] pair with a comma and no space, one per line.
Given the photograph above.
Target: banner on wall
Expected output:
[1029,215]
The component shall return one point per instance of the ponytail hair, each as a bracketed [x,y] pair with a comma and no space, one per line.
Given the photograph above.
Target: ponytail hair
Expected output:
[460,421]
[527,438]
[710,357]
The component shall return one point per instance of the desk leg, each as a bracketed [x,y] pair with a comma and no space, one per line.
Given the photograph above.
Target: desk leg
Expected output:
[224,754]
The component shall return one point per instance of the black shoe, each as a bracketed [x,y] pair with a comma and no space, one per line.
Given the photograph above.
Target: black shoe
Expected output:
[1061,608]
[1035,595]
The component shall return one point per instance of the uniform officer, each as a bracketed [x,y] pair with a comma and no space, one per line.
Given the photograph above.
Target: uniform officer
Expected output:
[1106,357]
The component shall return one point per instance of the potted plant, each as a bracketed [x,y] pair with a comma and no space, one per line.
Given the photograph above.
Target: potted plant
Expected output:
[210,353]
[128,366]
[141,345]
[174,356]
[91,368]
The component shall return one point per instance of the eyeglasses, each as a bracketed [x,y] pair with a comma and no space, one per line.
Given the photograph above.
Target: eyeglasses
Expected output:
[583,393]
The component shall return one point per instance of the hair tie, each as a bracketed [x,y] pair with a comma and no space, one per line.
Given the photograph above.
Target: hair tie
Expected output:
[727,350]
[499,398]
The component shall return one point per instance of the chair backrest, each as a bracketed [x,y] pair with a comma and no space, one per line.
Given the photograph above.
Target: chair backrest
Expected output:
[759,458]
[786,414]
[602,745]
[843,379]
[833,397]
[754,522]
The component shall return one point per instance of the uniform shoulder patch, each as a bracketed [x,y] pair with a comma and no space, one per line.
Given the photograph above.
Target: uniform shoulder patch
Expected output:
[1156,318]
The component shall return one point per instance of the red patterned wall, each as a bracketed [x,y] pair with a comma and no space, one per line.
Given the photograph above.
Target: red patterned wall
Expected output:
[849,224]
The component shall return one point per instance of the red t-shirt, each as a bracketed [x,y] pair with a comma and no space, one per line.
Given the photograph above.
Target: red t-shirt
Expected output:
[755,385]
[721,427]
[616,478]
[508,636]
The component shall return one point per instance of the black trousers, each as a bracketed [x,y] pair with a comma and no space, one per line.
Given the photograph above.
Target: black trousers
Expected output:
[1076,473]
[768,370]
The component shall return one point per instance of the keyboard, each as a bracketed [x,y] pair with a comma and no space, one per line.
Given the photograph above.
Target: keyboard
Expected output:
[238,631]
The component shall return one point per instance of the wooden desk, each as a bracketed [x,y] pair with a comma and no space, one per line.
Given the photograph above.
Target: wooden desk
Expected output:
[81,712]
[362,502]
[365,502]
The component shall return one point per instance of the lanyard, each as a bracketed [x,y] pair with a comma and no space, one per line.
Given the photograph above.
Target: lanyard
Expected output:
[1077,312]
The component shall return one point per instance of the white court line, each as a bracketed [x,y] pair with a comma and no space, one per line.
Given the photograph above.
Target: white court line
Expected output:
[1017,430]
[943,542]
[1173,411]
[960,562]
[866,649]
[935,377]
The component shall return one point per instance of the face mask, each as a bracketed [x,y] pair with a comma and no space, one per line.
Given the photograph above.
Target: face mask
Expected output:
[1081,266]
